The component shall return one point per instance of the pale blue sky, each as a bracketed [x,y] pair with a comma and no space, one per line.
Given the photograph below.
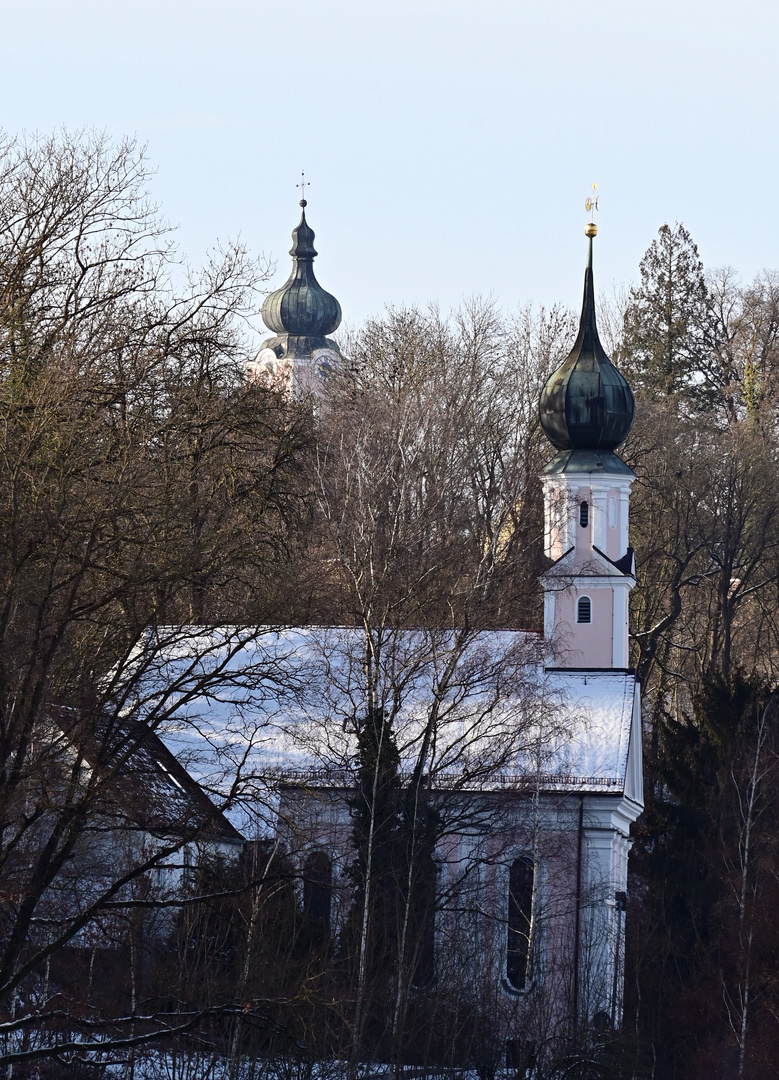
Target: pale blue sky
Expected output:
[450,146]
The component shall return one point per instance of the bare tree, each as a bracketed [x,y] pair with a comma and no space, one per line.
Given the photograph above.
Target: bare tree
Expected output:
[144,485]
[427,462]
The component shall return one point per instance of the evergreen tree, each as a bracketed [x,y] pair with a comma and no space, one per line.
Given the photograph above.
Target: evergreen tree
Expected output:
[377,873]
[667,328]
[704,936]
[390,937]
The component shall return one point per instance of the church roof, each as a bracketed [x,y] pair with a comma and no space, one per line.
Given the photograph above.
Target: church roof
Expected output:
[586,404]
[595,564]
[595,462]
[599,707]
[146,787]
[289,700]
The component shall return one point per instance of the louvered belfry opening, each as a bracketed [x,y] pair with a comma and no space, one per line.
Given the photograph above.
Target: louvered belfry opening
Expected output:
[584,610]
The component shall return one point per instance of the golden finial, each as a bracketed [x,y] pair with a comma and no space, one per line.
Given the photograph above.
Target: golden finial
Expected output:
[591,205]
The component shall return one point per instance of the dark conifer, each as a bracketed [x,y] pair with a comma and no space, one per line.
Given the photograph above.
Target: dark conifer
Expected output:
[704,868]
[667,325]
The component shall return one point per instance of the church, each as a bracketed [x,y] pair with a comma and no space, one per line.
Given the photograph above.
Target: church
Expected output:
[536,774]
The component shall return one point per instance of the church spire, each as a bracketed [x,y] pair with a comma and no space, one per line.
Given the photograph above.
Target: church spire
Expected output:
[301,306]
[586,410]
[301,314]
[587,404]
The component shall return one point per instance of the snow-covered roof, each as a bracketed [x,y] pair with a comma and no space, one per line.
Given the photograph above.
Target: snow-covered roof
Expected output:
[597,707]
[243,711]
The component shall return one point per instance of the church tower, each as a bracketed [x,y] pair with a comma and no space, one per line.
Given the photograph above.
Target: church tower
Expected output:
[586,411]
[300,314]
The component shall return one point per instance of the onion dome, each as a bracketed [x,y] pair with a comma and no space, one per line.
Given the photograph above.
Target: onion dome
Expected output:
[587,404]
[301,307]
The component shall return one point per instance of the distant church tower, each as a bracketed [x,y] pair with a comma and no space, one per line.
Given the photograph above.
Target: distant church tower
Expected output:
[586,411]
[301,315]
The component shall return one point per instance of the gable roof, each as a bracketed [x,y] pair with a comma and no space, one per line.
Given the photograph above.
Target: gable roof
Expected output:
[500,719]
[145,787]
[596,565]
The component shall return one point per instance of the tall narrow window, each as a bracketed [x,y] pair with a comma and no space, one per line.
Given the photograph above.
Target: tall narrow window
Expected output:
[520,916]
[584,609]
[317,891]
[584,515]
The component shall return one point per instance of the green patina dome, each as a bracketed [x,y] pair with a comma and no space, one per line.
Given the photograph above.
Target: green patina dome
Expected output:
[301,306]
[586,404]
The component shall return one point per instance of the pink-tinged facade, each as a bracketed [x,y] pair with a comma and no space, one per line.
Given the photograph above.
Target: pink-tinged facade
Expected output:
[592,561]
[550,835]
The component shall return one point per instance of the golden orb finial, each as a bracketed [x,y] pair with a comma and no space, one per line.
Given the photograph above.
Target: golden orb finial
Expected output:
[590,229]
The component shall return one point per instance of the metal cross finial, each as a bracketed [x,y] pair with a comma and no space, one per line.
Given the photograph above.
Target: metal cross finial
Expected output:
[303,185]
[591,204]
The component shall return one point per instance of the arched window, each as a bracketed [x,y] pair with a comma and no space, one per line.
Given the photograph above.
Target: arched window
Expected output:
[317,891]
[520,918]
[584,609]
[584,515]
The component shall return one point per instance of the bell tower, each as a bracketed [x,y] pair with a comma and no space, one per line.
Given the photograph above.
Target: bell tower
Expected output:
[586,411]
[301,315]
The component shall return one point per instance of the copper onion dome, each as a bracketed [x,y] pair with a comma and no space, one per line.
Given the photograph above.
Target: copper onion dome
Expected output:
[301,306]
[586,404]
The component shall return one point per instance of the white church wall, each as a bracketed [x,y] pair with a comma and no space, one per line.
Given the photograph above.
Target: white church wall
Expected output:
[574,888]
